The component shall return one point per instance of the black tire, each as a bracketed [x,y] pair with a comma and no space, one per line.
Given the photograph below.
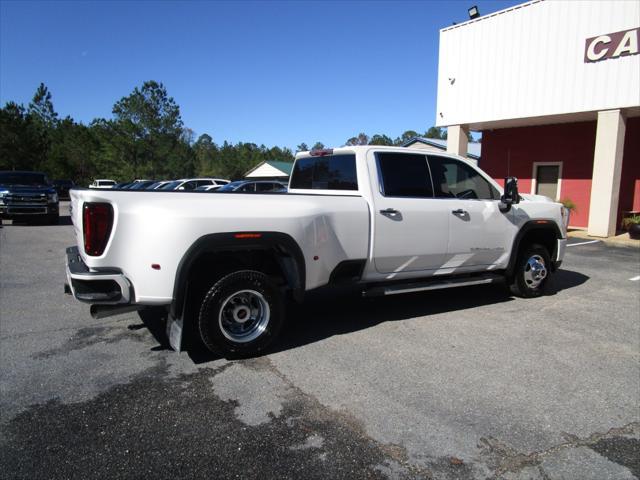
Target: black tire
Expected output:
[240,298]
[526,281]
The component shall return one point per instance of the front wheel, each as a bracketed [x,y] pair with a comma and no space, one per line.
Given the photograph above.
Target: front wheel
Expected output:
[532,272]
[241,315]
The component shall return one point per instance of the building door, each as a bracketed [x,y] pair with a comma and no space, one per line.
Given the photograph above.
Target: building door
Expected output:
[547,179]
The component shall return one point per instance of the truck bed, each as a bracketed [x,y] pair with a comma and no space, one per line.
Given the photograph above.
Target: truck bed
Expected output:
[332,228]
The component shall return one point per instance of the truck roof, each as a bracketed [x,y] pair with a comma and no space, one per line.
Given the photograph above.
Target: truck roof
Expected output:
[396,148]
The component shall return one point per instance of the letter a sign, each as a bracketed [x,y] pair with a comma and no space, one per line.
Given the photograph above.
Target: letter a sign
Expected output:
[612,45]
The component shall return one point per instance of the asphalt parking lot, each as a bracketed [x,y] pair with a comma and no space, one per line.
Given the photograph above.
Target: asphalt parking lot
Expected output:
[468,383]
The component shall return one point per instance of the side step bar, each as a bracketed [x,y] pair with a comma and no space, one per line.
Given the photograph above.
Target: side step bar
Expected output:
[433,284]
[103,311]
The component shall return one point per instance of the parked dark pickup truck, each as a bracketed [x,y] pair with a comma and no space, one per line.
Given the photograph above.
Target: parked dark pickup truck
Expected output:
[62,188]
[28,196]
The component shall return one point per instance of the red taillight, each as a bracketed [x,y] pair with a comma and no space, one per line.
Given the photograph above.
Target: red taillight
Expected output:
[247,235]
[97,219]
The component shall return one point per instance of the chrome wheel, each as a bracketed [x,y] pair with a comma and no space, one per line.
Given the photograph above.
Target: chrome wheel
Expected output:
[535,271]
[244,316]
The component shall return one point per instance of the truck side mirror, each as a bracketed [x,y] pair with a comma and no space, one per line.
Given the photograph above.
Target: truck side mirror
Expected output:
[510,195]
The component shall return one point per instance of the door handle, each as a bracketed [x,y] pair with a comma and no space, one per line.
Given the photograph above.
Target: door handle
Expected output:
[389,211]
[459,211]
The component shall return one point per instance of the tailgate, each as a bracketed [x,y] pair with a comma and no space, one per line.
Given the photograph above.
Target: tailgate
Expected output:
[75,212]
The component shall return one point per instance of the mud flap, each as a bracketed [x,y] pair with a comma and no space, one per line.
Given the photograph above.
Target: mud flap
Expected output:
[174,332]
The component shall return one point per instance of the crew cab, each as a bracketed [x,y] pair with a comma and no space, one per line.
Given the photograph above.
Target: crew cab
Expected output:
[28,196]
[390,220]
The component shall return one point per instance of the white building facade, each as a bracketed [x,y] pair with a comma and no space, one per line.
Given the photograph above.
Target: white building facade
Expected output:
[554,86]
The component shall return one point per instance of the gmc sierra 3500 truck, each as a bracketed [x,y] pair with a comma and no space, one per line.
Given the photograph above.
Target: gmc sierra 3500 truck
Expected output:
[390,219]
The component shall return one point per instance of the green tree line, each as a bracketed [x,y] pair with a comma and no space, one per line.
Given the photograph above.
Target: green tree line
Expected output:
[382,139]
[145,138]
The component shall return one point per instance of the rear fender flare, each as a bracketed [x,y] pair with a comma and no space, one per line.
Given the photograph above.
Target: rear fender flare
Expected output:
[289,257]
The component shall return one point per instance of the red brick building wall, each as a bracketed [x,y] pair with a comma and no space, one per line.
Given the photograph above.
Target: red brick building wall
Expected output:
[630,185]
[512,151]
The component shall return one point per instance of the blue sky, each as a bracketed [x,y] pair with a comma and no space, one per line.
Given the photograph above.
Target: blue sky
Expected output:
[269,72]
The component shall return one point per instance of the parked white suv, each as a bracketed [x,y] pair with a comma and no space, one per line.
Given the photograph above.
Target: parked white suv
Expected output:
[102,183]
[388,219]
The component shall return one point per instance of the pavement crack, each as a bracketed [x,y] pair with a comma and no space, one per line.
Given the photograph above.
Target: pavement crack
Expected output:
[395,456]
[502,458]
[200,436]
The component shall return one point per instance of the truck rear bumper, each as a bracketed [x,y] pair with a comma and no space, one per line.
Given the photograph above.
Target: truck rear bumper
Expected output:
[103,288]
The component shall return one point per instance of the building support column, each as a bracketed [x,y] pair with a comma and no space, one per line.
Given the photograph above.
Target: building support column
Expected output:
[457,140]
[607,168]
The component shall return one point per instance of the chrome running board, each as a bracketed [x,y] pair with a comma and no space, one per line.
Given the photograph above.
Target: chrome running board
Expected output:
[433,284]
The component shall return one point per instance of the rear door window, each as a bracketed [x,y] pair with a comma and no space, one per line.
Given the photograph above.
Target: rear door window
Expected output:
[265,187]
[331,172]
[189,185]
[404,175]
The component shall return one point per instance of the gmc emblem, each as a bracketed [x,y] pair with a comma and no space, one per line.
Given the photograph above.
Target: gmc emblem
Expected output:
[612,45]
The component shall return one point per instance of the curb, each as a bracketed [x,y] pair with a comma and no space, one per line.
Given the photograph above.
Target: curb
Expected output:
[622,240]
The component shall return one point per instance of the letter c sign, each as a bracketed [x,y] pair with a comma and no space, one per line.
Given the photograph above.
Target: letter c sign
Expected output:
[612,45]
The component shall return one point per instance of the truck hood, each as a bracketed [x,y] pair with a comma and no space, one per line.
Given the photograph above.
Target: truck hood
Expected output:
[536,198]
[28,189]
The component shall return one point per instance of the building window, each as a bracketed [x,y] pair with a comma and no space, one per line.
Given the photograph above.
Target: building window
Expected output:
[546,179]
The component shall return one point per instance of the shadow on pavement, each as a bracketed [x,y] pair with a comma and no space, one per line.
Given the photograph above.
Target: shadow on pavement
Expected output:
[565,279]
[329,312]
[154,318]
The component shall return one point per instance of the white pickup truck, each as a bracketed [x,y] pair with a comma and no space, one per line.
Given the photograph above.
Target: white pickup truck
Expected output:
[390,219]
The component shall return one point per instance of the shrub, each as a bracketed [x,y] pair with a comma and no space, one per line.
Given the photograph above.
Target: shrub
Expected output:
[568,203]
[628,221]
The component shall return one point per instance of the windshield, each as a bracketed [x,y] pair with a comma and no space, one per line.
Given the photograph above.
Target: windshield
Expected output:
[170,185]
[63,183]
[143,185]
[230,187]
[23,178]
